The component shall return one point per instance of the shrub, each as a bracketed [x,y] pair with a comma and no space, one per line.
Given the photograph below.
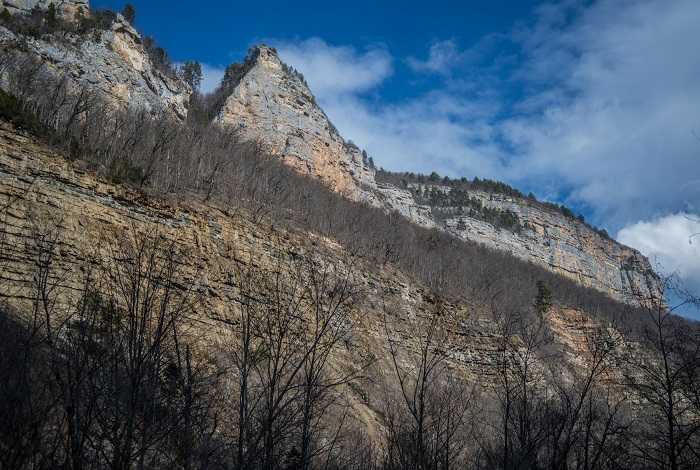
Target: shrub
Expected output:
[129,13]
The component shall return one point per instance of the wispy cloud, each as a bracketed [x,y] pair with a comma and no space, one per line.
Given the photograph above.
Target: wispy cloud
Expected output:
[443,57]
[593,104]
[333,70]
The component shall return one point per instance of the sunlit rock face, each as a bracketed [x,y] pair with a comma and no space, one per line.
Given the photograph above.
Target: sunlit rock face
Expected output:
[113,62]
[547,238]
[43,194]
[272,104]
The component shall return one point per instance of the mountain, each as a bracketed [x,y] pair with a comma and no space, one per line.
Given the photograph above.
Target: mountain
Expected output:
[271,103]
[113,60]
[222,281]
[267,101]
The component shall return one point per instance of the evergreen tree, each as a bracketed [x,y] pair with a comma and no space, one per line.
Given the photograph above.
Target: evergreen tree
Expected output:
[5,16]
[51,16]
[192,74]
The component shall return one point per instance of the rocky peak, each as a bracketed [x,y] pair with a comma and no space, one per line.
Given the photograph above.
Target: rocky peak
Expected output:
[113,61]
[270,102]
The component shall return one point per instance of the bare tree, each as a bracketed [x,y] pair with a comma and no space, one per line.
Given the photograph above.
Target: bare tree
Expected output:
[659,375]
[423,430]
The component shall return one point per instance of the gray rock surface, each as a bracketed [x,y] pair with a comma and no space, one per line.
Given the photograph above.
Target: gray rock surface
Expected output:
[550,239]
[113,62]
[273,105]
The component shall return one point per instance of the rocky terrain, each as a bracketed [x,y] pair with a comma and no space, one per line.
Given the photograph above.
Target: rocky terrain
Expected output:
[545,237]
[272,104]
[64,7]
[269,102]
[113,62]
[44,197]
[487,345]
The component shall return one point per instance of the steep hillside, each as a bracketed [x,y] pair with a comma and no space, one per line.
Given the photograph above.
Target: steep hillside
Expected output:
[48,200]
[271,103]
[61,225]
[266,101]
[531,231]
[99,52]
[175,296]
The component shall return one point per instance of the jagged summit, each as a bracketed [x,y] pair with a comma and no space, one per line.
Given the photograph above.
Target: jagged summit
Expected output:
[270,102]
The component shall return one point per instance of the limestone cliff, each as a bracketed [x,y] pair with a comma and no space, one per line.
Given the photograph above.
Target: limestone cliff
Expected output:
[64,7]
[44,197]
[544,236]
[112,61]
[271,103]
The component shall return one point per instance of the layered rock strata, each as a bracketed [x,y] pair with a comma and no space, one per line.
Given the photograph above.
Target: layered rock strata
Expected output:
[546,237]
[272,104]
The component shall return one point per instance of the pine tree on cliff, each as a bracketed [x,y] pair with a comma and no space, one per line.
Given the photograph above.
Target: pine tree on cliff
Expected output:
[51,16]
[192,74]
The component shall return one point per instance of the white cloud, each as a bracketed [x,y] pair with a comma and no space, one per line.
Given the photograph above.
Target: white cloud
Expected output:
[606,115]
[442,58]
[615,117]
[211,77]
[671,242]
[332,70]
[414,135]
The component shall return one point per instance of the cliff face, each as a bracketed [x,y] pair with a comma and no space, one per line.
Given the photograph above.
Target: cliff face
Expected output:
[544,236]
[113,62]
[44,197]
[272,104]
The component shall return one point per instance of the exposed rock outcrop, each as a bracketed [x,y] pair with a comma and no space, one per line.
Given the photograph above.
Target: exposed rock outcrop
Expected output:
[40,193]
[272,104]
[547,237]
[113,62]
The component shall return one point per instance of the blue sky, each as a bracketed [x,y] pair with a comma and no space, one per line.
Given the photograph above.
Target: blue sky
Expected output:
[220,32]
[595,104]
